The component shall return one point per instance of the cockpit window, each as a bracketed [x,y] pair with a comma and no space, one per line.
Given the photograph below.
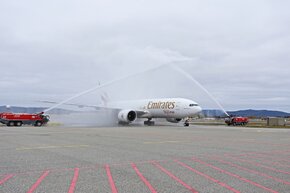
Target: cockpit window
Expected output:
[193,105]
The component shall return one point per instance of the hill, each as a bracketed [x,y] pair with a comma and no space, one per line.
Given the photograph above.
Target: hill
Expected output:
[259,113]
[246,113]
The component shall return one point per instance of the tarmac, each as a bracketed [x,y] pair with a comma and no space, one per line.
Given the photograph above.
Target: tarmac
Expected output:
[144,159]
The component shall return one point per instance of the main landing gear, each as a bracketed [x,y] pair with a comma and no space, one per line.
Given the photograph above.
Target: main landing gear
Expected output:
[149,122]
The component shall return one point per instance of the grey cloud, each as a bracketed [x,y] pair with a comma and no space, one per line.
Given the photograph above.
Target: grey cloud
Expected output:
[237,49]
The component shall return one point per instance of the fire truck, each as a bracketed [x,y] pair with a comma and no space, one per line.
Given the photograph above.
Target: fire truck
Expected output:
[19,119]
[236,121]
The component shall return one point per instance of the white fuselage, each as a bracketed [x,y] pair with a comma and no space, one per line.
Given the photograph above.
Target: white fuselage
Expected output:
[160,108]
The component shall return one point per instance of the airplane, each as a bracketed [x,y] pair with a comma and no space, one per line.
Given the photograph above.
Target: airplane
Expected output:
[172,109]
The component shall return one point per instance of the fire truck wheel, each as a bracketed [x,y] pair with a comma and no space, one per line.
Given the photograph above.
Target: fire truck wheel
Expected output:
[18,124]
[38,124]
[10,124]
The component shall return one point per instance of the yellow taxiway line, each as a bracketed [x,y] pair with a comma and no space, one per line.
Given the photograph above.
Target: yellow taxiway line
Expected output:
[51,147]
[161,142]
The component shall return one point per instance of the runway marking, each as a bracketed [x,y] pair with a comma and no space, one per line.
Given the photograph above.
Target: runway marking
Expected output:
[73,184]
[37,183]
[146,182]
[161,142]
[51,147]
[110,179]
[234,175]
[208,177]
[6,178]
[74,181]
[31,172]
[258,164]
[252,171]
[174,177]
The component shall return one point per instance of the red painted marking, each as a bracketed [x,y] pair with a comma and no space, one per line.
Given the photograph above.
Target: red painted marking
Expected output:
[6,178]
[208,177]
[110,178]
[48,169]
[74,180]
[38,182]
[258,164]
[252,171]
[146,182]
[235,175]
[174,177]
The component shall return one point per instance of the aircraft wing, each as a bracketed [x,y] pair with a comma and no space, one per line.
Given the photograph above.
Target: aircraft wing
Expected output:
[140,113]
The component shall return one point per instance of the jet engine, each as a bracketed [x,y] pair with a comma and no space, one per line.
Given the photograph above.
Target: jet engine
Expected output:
[173,120]
[127,116]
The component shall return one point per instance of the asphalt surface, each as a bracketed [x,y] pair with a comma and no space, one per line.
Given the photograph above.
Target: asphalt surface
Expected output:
[144,159]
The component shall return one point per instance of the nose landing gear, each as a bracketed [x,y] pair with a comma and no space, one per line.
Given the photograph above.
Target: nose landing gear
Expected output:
[186,123]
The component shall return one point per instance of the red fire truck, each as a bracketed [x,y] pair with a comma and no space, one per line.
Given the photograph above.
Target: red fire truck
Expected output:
[18,119]
[237,121]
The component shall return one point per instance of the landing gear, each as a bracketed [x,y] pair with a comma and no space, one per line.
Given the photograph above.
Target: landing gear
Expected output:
[149,122]
[186,123]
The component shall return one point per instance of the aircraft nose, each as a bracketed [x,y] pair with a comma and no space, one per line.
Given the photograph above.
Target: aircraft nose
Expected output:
[198,109]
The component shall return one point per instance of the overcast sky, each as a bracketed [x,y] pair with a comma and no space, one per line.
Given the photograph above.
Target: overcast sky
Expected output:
[238,50]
